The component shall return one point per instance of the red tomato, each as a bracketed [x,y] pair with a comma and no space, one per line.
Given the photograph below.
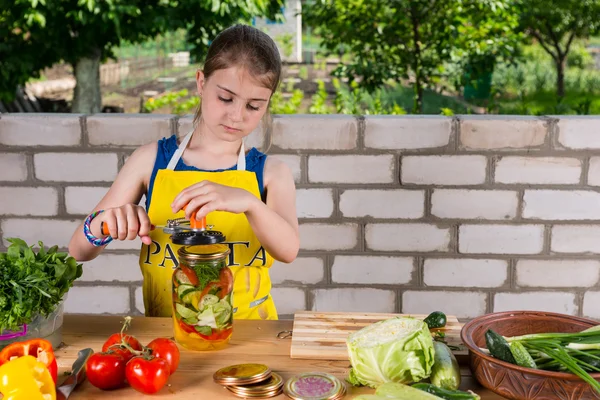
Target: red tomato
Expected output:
[226,281]
[166,349]
[190,273]
[114,341]
[106,370]
[147,375]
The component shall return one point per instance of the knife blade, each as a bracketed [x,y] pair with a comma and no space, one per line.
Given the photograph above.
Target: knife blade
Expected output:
[77,375]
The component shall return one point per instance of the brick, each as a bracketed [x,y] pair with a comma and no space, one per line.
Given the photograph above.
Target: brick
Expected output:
[354,300]
[314,203]
[407,132]
[460,272]
[288,300]
[294,162]
[399,203]
[474,204]
[42,201]
[579,132]
[558,302]
[558,273]
[501,239]
[538,170]
[127,129]
[303,270]
[40,129]
[98,300]
[139,300]
[594,172]
[502,132]
[328,236]
[351,169]
[590,305]
[561,205]
[407,237]
[459,304]
[81,200]
[302,132]
[80,167]
[13,167]
[575,239]
[112,268]
[50,231]
[443,170]
[364,270]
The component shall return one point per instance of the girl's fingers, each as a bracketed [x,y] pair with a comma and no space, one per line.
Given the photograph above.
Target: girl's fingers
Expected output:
[196,203]
[121,217]
[111,224]
[145,225]
[187,194]
[133,223]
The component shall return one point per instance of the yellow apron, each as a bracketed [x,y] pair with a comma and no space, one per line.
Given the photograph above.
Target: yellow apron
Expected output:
[248,260]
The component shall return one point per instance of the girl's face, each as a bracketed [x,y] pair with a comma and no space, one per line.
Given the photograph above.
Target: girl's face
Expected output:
[233,102]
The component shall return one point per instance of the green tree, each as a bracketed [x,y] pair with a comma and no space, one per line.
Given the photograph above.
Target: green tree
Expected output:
[84,32]
[406,39]
[555,24]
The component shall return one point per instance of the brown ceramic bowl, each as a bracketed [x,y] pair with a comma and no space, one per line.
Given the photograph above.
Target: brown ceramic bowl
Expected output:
[519,383]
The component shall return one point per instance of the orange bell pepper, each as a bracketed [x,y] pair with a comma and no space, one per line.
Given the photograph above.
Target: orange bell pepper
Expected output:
[26,378]
[41,349]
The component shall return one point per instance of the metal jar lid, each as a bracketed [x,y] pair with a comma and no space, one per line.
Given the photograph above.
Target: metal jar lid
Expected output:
[204,252]
[268,388]
[242,374]
[314,386]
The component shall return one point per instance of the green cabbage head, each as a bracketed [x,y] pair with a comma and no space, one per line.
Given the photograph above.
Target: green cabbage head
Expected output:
[393,350]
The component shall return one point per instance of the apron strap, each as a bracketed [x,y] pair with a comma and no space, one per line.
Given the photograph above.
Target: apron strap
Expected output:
[241,164]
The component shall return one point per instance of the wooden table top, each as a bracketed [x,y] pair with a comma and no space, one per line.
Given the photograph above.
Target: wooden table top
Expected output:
[252,342]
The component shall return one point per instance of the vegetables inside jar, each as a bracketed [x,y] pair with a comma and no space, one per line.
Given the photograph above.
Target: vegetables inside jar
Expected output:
[202,303]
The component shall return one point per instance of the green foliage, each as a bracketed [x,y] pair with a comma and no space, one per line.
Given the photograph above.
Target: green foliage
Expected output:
[179,102]
[33,283]
[278,103]
[319,100]
[286,43]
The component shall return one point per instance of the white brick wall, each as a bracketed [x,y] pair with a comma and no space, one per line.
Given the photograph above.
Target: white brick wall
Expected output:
[443,170]
[314,203]
[466,214]
[338,132]
[407,237]
[474,204]
[459,304]
[538,170]
[501,132]
[42,201]
[13,167]
[558,273]
[71,167]
[351,169]
[561,205]
[354,300]
[463,272]
[559,302]
[328,237]
[414,132]
[372,270]
[40,129]
[409,204]
[575,239]
[501,239]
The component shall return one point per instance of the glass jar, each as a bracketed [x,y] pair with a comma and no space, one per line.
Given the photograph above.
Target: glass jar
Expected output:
[202,303]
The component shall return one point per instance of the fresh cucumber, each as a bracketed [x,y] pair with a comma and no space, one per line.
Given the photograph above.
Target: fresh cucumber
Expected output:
[521,355]
[499,347]
[400,391]
[435,320]
[445,393]
[445,372]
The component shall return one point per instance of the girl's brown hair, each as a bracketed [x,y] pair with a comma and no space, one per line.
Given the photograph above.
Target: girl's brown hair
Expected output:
[248,47]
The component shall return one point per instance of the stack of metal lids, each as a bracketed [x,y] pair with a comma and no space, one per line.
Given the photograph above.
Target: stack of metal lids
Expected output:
[314,386]
[250,380]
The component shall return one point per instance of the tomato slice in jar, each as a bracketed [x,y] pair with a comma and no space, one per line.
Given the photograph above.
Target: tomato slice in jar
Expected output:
[190,274]
[226,282]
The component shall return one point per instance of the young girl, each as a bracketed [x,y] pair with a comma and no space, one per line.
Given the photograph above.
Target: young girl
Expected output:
[251,203]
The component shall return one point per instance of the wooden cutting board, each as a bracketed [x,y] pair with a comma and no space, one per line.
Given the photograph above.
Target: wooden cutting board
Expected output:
[322,335]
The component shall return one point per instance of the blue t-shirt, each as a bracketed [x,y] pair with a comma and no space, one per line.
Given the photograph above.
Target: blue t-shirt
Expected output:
[255,162]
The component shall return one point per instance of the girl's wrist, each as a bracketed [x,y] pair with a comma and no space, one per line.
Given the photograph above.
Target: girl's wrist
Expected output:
[253,205]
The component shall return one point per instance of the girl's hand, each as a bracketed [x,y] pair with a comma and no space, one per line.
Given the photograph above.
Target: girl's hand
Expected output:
[207,196]
[127,222]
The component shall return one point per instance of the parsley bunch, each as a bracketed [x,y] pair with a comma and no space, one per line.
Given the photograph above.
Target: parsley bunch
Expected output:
[33,283]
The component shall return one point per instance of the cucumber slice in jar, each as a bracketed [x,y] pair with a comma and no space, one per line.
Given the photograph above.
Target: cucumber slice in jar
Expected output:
[207,300]
[184,289]
[184,311]
[182,279]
